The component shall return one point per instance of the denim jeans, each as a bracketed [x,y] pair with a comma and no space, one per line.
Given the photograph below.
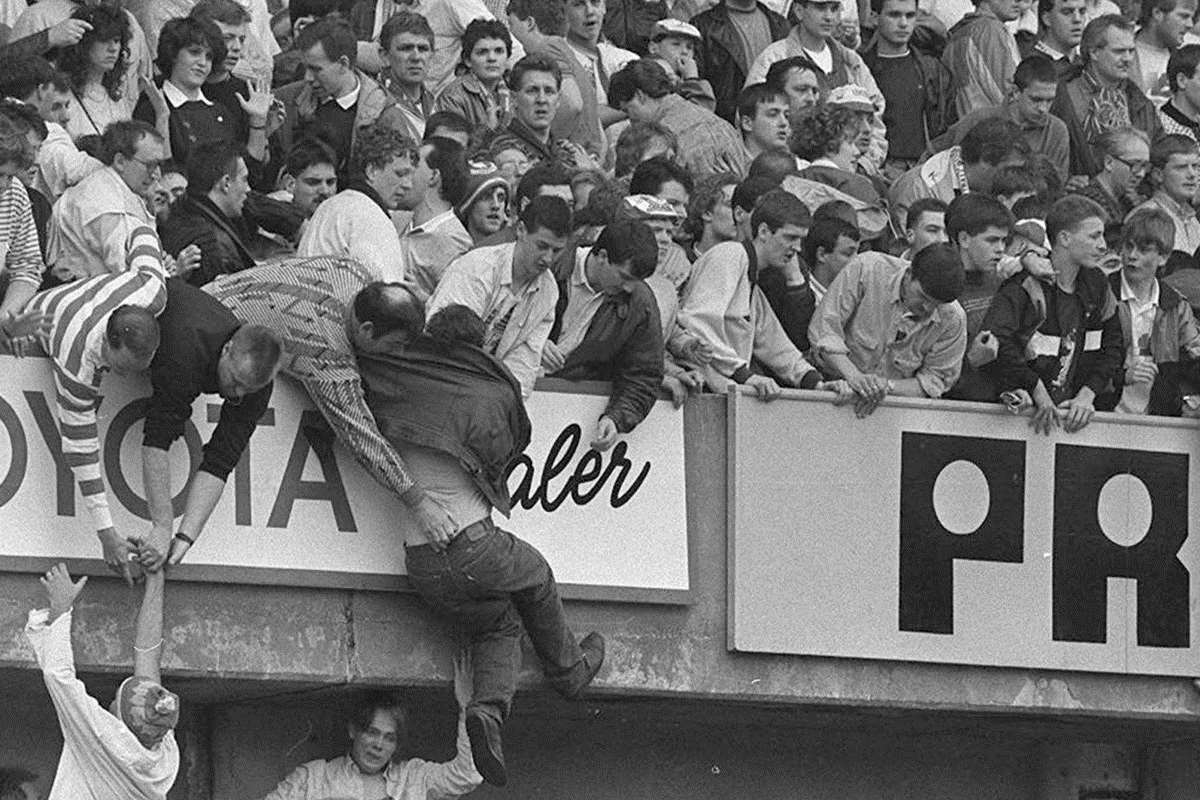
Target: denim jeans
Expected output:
[488,583]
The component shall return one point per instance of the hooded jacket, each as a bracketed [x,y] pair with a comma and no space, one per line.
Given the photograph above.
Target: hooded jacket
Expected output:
[453,398]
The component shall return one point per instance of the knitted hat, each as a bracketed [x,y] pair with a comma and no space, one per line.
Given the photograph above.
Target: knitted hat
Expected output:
[146,707]
[484,177]
[646,206]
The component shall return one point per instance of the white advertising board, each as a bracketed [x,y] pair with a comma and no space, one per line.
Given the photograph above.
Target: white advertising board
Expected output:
[612,525]
[949,532]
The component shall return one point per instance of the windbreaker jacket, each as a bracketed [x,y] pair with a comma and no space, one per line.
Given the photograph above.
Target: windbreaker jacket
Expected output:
[453,398]
[982,55]
[719,56]
[1071,104]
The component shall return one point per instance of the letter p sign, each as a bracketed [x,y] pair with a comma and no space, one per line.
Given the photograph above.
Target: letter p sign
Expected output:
[928,548]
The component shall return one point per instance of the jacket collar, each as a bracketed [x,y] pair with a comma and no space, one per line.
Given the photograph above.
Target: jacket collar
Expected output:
[1169,110]
[1168,296]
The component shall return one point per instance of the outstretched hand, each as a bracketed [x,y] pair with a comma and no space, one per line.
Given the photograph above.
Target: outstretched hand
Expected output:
[257,102]
[118,554]
[61,590]
[18,332]
[464,677]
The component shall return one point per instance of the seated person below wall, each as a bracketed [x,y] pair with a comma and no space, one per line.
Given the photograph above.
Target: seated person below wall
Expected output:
[607,326]
[1059,343]
[1162,342]
[886,326]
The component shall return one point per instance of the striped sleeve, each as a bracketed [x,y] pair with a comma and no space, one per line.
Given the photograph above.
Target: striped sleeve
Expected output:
[81,443]
[23,260]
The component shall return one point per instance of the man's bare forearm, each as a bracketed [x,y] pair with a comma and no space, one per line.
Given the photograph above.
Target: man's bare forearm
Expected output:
[202,498]
[156,476]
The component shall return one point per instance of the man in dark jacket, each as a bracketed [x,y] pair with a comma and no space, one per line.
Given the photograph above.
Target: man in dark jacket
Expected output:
[209,215]
[723,57]
[1100,94]
[607,326]
[492,585]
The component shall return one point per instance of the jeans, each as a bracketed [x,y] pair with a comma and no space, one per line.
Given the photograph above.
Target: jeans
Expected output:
[488,582]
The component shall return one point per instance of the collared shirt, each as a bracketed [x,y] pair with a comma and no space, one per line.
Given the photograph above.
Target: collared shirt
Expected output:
[79,312]
[413,779]
[175,96]
[92,224]
[100,756]
[1135,397]
[429,248]
[518,324]
[1187,226]
[582,304]
[415,110]
[347,101]
[1175,121]
[317,352]
[863,317]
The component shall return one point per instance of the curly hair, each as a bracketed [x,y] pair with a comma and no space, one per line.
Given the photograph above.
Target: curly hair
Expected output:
[817,132]
[109,23]
[633,141]
[708,191]
[377,145]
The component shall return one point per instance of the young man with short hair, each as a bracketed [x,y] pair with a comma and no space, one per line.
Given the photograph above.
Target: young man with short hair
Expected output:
[406,46]
[511,288]
[434,235]
[479,94]
[797,78]
[1060,29]
[1161,29]
[982,54]
[762,118]
[926,226]
[725,307]
[710,214]
[309,177]
[1181,113]
[536,82]
[1175,175]
[916,87]
[1162,342]
[1059,343]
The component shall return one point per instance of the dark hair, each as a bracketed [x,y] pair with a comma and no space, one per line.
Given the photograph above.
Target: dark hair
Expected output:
[335,36]
[260,348]
[651,174]
[208,163]
[1069,213]
[749,191]
[877,5]
[108,23]
[181,33]
[924,205]
[447,119]
[750,98]
[633,141]
[1173,144]
[123,137]
[297,9]
[1150,227]
[817,132]
[387,702]
[645,74]
[456,324]
[775,163]
[777,73]
[405,22]
[24,116]
[1032,207]
[1095,34]
[389,310]
[308,153]
[939,269]
[602,205]
[449,158]
[1014,179]
[14,144]
[226,12]
[629,240]
[544,174]
[992,141]
[549,16]
[1182,62]
[836,209]
[824,235]
[534,63]
[11,781]
[377,145]
[21,77]
[973,213]
[1036,68]
[777,208]
[480,29]
[1150,6]
[134,329]
[551,213]
[701,201]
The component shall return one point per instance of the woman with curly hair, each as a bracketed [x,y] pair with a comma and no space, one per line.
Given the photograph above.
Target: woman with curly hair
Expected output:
[825,136]
[98,69]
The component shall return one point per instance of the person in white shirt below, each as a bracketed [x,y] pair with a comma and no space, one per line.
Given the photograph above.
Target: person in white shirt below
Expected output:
[1163,25]
[354,222]
[131,752]
[1162,342]
[435,236]
[511,288]
[367,770]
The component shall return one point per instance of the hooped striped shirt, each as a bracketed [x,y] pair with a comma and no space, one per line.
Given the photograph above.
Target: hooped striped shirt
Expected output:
[79,313]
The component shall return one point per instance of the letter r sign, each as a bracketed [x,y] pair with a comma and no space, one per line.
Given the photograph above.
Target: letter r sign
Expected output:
[928,549]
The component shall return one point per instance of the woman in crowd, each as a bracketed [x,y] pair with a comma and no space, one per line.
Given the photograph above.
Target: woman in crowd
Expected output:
[98,68]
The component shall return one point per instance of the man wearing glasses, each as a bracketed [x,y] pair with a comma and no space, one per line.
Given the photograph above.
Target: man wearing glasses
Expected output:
[91,225]
[1125,155]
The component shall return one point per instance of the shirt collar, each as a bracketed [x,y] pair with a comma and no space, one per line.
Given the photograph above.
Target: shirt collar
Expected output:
[347,101]
[579,276]
[431,224]
[1128,295]
[1177,210]
[175,96]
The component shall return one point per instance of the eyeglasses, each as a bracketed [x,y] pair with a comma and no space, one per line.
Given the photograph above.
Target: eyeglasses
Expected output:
[152,166]
[1136,167]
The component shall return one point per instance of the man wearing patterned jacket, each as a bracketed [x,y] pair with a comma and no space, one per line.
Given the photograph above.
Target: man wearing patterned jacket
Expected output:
[324,309]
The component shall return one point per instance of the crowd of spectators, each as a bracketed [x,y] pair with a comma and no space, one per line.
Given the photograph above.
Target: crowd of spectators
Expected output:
[994,204]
